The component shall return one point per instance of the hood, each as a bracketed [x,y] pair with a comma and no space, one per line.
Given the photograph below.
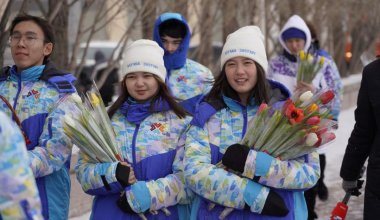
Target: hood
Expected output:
[296,22]
[177,59]
[277,93]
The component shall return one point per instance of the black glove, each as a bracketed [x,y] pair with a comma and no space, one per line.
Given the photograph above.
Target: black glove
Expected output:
[123,204]
[122,174]
[274,205]
[352,187]
[235,156]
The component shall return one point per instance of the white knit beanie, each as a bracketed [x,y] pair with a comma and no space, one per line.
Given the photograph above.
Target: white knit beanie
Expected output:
[247,42]
[144,56]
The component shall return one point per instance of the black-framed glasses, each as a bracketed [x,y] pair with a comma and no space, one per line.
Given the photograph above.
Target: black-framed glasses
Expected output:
[28,40]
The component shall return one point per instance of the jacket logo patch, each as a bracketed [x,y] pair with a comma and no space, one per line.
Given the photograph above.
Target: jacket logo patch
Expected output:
[182,78]
[34,93]
[158,126]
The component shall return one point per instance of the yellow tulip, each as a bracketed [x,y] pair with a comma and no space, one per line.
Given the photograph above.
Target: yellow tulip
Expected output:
[302,55]
[321,60]
[95,99]
[314,107]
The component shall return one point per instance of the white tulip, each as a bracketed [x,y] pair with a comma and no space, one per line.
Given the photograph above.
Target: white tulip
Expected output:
[311,139]
[306,96]
[76,98]
[69,120]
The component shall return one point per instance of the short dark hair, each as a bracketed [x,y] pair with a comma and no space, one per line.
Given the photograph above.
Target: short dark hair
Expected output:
[172,28]
[47,29]
[221,87]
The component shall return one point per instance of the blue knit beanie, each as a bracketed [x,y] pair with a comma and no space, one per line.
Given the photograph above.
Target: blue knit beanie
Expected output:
[293,33]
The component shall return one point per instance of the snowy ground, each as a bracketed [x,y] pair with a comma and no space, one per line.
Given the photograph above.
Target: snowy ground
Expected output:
[334,154]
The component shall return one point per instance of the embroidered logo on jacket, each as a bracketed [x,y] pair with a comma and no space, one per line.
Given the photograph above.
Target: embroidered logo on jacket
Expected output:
[158,126]
[34,92]
[182,78]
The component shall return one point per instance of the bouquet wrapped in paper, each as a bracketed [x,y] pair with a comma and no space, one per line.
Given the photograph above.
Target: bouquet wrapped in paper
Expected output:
[308,66]
[300,126]
[89,127]
[87,124]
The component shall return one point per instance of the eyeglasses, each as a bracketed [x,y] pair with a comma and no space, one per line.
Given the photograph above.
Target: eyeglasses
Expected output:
[28,40]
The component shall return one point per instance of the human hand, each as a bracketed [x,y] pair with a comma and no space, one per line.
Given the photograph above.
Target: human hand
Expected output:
[303,87]
[274,204]
[131,179]
[352,187]
[125,174]
[235,156]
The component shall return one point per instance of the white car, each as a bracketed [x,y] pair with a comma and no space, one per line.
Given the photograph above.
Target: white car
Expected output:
[107,47]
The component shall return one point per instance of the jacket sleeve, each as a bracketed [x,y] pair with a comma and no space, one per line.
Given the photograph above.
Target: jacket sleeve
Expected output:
[167,191]
[329,78]
[18,195]
[208,81]
[338,91]
[54,148]
[300,173]
[97,178]
[362,137]
[213,183]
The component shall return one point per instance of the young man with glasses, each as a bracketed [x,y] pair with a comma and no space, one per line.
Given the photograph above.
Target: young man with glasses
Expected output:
[30,91]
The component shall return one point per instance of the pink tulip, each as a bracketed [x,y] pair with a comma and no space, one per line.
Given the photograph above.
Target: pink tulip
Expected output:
[313,120]
[327,137]
[262,107]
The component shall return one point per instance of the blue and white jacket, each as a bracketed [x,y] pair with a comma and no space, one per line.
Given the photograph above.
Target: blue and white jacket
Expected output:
[19,197]
[186,79]
[154,146]
[215,127]
[34,94]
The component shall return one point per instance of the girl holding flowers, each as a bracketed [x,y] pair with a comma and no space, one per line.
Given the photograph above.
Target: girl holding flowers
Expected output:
[149,125]
[295,38]
[267,188]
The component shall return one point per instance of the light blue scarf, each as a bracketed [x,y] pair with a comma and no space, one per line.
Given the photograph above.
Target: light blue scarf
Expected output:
[31,74]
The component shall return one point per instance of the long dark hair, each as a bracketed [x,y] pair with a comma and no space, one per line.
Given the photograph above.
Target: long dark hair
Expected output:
[221,87]
[163,93]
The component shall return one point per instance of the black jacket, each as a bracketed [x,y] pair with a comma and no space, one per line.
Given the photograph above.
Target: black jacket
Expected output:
[365,138]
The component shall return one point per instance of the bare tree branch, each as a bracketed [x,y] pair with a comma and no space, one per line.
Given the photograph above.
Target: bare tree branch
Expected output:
[54,12]
[41,7]
[5,33]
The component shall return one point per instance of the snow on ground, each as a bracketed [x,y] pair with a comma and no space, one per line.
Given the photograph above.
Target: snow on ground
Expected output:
[334,157]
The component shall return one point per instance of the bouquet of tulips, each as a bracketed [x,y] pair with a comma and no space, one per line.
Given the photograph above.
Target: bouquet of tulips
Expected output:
[308,66]
[87,124]
[298,127]
[89,127]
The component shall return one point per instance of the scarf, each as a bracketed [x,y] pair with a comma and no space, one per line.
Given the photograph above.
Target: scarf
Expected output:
[31,74]
[136,112]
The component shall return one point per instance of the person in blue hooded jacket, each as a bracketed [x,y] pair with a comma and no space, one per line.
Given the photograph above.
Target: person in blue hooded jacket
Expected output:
[268,187]
[187,80]
[149,126]
[31,89]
